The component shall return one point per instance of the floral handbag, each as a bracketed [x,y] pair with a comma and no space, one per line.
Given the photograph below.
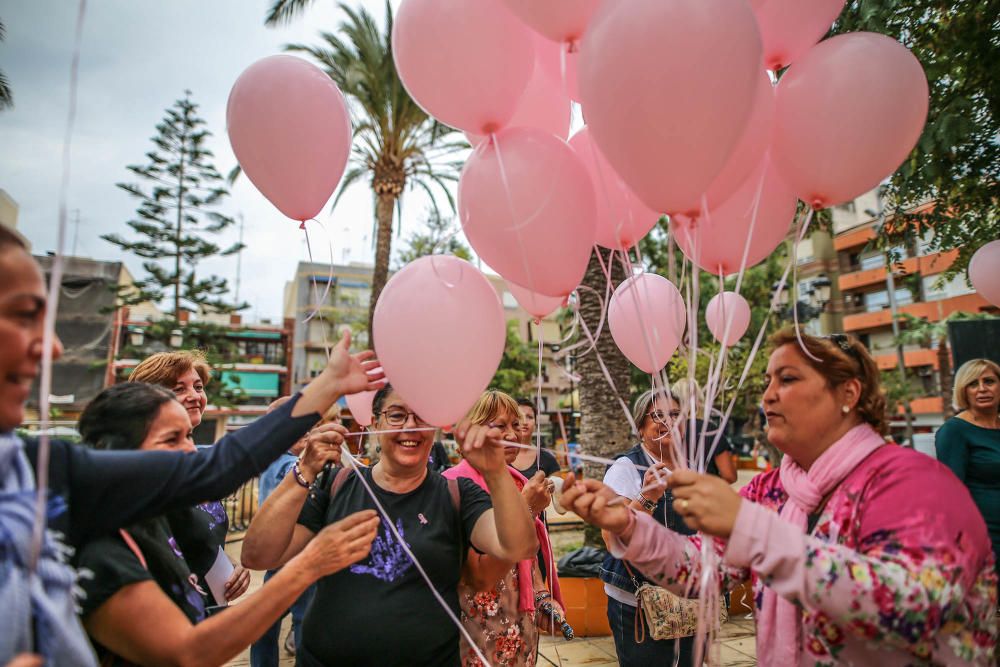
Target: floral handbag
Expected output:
[668,616]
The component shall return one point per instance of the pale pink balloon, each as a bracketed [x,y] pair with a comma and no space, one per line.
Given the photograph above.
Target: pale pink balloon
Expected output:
[789,28]
[668,87]
[716,243]
[360,405]
[846,116]
[561,63]
[465,63]
[439,334]
[646,317]
[533,221]
[984,272]
[750,149]
[731,310]
[291,133]
[622,218]
[558,20]
[543,104]
[537,305]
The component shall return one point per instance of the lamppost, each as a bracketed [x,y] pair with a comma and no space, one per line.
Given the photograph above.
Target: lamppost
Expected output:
[818,296]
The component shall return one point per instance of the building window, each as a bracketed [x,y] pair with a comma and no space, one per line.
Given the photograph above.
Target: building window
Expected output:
[876,301]
[872,262]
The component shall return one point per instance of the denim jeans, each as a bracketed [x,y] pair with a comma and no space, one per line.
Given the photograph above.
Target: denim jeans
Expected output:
[651,652]
[264,651]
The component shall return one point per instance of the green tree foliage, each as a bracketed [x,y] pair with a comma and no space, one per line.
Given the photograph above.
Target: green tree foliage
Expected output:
[519,365]
[6,96]
[438,238]
[176,210]
[957,159]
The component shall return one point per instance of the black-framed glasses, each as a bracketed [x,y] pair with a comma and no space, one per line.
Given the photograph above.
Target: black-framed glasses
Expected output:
[398,417]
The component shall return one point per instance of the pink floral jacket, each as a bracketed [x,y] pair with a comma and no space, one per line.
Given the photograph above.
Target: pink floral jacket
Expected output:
[898,569]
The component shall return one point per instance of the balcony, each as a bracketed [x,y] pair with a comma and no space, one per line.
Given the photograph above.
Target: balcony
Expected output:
[912,359]
[927,405]
[854,238]
[928,265]
[935,311]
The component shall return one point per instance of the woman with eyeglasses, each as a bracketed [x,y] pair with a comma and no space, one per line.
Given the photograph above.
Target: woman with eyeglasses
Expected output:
[969,442]
[859,552]
[380,611]
[656,414]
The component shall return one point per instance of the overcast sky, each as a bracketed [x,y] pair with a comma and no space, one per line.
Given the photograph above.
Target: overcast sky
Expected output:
[137,58]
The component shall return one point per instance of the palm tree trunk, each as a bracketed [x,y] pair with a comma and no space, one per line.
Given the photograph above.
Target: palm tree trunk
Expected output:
[604,430]
[384,206]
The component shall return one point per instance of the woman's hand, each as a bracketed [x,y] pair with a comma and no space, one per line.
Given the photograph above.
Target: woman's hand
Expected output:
[590,499]
[353,373]
[538,492]
[342,543]
[544,620]
[237,584]
[27,660]
[706,502]
[481,447]
[654,482]
[322,447]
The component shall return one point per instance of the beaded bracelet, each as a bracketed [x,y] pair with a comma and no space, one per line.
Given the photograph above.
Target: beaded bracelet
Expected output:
[541,596]
[299,479]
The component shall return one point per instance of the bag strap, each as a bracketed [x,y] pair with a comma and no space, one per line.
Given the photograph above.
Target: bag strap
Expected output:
[631,574]
[130,542]
[455,493]
[639,625]
[338,482]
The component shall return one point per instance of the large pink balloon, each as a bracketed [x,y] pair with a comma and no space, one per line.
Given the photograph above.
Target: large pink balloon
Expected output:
[439,334]
[465,63]
[290,131]
[984,272]
[846,116]
[750,149]
[646,317]
[561,63]
[558,20]
[543,104]
[789,28]
[360,405]
[537,305]
[668,87]
[532,221]
[622,218]
[716,244]
[727,309]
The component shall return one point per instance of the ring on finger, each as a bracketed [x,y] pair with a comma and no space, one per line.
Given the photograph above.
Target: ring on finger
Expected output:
[684,505]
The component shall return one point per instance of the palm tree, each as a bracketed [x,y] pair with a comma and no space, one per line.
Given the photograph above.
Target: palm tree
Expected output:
[395,142]
[6,97]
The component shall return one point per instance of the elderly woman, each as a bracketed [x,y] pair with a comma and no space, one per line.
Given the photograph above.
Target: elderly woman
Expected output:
[657,415]
[500,599]
[384,612]
[969,442]
[859,552]
[201,530]
[139,574]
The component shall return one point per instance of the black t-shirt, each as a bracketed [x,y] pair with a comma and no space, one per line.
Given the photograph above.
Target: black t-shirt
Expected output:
[200,532]
[380,611]
[725,446]
[550,465]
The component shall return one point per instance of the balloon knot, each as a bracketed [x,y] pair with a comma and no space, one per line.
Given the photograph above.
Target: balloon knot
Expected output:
[490,129]
[817,203]
[303,225]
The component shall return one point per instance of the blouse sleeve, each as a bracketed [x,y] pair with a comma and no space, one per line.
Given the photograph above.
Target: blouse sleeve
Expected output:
[951,448]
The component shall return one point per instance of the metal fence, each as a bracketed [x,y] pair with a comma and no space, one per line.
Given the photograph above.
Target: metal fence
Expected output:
[241,506]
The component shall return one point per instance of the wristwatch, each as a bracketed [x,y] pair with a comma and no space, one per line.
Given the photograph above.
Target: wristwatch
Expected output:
[646,503]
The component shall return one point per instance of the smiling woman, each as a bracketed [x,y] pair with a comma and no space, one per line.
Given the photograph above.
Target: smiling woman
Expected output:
[185,372]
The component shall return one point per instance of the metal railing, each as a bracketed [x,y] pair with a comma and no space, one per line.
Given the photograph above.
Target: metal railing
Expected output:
[241,506]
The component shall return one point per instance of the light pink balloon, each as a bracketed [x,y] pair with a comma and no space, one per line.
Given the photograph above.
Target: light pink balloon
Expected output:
[846,116]
[716,244]
[668,87]
[731,308]
[360,405]
[789,28]
[622,218]
[750,149]
[439,334]
[533,222]
[290,131]
[537,305]
[984,272]
[465,63]
[565,72]
[646,317]
[543,104]
[558,20]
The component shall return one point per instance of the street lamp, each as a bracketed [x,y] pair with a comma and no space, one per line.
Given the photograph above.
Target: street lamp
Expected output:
[136,337]
[176,338]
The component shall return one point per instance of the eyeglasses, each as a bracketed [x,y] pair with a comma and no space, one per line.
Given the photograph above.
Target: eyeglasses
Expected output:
[662,417]
[398,417]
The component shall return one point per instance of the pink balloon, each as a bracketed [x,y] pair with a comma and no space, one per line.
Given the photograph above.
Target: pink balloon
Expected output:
[668,87]
[290,131]
[622,218]
[558,20]
[789,28]
[727,309]
[716,244]
[439,334]
[750,149]
[563,69]
[544,105]
[360,405]
[465,63]
[533,221]
[536,305]
[984,272]
[846,116]
[646,317]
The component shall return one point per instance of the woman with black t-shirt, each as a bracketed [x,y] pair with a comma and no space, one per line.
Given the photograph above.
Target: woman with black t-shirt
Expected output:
[394,618]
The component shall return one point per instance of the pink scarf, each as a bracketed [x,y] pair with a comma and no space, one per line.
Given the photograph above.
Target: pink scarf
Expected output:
[526,592]
[779,620]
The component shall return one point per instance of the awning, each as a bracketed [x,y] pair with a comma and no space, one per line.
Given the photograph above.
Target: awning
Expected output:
[254,384]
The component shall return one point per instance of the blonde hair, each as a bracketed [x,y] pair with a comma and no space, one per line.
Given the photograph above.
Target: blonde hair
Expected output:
[968,373]
[163,368]
[491,405]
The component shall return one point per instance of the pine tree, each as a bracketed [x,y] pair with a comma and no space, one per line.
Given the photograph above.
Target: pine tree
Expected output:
[175,211]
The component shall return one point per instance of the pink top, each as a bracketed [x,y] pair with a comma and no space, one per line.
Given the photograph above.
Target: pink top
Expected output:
[898,570]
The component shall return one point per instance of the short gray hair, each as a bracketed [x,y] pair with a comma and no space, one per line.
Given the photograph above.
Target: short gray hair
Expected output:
[646,398]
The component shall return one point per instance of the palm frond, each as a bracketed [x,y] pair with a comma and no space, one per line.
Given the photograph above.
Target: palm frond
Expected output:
[283,11]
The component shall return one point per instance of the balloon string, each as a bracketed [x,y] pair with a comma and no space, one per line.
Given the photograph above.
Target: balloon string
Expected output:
[316,297]
[329,281]
[538,398]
